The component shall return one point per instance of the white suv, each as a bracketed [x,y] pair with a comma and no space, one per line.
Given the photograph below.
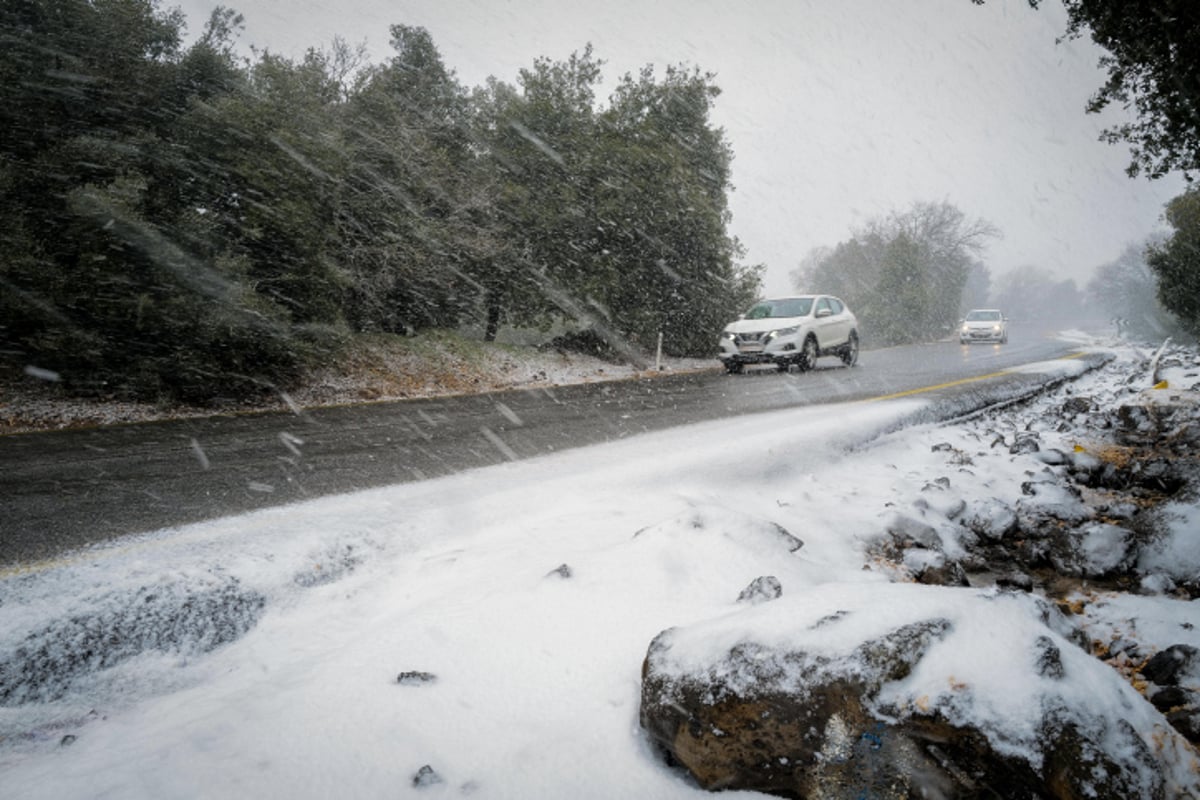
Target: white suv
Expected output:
[983,325]
[791,330]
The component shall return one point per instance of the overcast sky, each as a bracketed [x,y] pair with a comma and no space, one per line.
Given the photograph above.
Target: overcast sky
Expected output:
[838,111]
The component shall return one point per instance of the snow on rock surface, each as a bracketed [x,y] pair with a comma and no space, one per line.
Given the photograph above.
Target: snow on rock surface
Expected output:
[781,698]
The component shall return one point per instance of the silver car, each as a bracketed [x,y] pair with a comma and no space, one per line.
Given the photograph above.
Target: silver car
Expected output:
[983,325]
[788,331]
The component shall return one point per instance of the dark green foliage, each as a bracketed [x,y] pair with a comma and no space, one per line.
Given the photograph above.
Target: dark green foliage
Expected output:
[906,306]
[406,137]
[662,198]
[613,219]
[160,243]
[180,224]
[1154,68]
[1176,262]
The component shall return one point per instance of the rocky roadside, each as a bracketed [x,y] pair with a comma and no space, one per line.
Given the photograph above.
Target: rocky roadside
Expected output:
[1109,516]
[1092,521]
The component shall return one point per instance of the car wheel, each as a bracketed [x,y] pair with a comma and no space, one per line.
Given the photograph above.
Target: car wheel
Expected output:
[1004,339]
[850,351]
[733,367]
[808,355]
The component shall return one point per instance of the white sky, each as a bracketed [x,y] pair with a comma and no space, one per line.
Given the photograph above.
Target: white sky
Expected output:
[538,675]
[838,112]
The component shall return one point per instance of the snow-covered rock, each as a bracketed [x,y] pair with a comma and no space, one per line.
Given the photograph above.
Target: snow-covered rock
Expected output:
[905,691]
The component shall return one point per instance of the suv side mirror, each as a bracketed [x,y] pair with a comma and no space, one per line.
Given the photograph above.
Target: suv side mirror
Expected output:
[823,312]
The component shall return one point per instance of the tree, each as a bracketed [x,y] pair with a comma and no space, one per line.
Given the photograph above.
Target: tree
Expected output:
[1124,292]
[160,238]
[1176,262]
[1153,66]
[1028,295]
[949,241]
[406,140]
[850,270]
[81,96]
[661,191]
[905,279]
[905,273]
[543,146]
[511,224]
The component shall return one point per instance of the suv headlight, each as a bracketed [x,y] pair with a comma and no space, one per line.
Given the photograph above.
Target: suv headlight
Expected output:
[782,332]
[728,335]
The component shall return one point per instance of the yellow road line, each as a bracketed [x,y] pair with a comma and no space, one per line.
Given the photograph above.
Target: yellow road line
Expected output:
[34,567]
[75,557]
[960,382]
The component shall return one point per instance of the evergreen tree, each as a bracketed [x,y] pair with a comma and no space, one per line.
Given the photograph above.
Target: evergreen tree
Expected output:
[1176,262]
[663,192]
[407,139]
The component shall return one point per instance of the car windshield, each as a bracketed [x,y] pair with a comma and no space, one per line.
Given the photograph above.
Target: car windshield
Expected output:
[983,316]
[788,307]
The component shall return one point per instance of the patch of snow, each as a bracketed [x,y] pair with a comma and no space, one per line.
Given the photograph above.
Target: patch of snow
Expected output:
[1104,547]
[1177,552]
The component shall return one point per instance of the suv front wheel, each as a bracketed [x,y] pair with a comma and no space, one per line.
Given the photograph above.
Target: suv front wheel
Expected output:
[808,355]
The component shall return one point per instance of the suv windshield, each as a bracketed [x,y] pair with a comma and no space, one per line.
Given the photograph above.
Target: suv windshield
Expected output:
[791,307]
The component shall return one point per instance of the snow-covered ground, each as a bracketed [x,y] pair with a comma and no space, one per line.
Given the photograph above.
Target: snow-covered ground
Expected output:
[484,633]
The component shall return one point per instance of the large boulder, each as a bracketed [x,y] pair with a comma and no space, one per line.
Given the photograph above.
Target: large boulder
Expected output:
[890,691]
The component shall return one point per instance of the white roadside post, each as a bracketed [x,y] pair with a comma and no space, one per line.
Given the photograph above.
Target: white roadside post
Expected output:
[658,354]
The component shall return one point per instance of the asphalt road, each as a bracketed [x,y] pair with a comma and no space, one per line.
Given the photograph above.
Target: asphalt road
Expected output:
[63,490]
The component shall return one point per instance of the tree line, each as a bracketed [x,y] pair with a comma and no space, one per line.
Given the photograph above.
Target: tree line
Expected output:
[910,275]
[182,222]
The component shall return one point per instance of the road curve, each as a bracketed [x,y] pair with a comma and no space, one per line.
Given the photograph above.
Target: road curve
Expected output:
[64,490]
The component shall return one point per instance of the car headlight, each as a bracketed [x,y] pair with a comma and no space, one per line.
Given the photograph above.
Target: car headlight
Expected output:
[996,328]
[783,332]
[728,335]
